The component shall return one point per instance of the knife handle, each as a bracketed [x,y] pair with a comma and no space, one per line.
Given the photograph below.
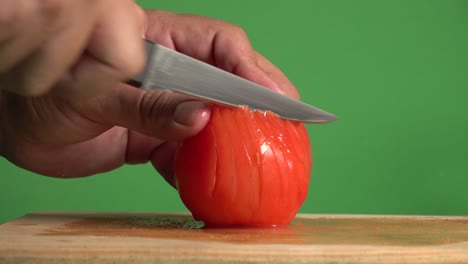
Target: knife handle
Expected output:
[134,83]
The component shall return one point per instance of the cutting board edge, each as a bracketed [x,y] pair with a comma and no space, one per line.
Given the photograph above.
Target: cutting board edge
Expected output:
[301,215]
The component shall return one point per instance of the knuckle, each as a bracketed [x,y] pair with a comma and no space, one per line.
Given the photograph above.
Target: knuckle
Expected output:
[227,29]
[235,37]
[54,11]
[53,7]
[237,31]
[149,108]
[9,17]
[28,87]
[156,114]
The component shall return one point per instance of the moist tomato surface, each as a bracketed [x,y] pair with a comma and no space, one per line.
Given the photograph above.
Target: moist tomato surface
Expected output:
[245,168]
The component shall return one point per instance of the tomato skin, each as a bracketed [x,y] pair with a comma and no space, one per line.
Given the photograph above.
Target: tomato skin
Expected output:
[245,168]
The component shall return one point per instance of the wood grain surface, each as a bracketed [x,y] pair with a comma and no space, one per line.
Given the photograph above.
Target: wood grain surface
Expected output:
[87,237]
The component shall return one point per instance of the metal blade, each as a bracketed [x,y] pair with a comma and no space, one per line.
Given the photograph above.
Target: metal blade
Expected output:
[169,70]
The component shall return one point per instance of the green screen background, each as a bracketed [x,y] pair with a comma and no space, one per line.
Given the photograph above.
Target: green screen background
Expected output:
[395,73]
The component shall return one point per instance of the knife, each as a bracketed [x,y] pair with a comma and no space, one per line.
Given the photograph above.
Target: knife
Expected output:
[169,70]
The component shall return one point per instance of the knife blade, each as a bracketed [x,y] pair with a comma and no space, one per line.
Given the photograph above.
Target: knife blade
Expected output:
[169,70]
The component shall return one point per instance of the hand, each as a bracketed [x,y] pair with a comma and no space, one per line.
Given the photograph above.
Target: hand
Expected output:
[60,137]
[74,45]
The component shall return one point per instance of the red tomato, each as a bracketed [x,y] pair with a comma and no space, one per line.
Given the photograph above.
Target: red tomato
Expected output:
[246,168]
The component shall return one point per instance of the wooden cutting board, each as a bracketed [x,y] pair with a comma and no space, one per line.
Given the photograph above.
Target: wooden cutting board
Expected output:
[176,238]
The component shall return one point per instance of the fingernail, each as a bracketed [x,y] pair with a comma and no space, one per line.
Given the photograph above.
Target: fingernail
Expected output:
[188,113]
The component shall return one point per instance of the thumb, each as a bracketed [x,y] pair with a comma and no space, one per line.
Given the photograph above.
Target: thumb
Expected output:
[165,115]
